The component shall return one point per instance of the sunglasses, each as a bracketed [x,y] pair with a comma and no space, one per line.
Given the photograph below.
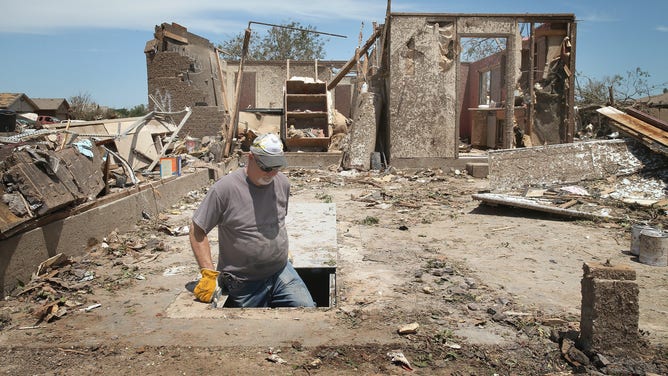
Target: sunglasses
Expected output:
[268,169]
[265,168]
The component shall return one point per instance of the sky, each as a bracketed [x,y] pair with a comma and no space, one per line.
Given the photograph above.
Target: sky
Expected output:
[60,49]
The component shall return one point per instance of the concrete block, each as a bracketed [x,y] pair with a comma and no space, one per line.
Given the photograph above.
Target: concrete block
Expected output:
[603,271]
[477,170]
[610,310]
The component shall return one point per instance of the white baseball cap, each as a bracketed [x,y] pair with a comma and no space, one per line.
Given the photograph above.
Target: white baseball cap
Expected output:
[268,151]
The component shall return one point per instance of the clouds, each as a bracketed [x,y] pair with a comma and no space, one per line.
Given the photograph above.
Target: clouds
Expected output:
[208,16]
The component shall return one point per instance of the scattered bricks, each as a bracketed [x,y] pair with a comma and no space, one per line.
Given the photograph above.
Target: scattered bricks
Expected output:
[477,170]
[610,311]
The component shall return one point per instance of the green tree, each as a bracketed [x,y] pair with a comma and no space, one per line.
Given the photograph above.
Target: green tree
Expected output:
[138,110]
[288,41]
[474,49]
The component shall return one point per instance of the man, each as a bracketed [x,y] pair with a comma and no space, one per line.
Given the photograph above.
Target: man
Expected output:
[249,207]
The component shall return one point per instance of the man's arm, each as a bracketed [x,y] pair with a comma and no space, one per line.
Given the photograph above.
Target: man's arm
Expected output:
[208,285]
[199,243]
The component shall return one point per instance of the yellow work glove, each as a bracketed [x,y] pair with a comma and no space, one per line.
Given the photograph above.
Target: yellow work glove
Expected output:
[207,285]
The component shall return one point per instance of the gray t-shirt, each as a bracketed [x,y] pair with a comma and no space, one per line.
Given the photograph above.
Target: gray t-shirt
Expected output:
[253,240]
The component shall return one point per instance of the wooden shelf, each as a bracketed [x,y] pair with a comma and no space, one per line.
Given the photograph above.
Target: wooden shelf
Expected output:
[306,112]
[310,142]
[301,87]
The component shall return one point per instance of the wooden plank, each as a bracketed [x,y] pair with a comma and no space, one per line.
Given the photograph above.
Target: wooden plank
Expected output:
[525,203]
[306,115]
[307,88]
[175,37]
[647,118]
[223,93]
[321,142]
[348,66]
[8,219]
[636,127]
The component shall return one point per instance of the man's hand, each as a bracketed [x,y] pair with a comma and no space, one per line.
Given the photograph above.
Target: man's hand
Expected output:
[207,285]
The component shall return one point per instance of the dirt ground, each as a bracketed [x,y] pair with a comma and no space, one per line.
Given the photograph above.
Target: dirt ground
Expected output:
[489,290]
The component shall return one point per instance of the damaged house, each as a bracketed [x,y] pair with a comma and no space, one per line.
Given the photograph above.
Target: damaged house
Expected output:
[422,89]
[186,70]
[412,96]
[436,99]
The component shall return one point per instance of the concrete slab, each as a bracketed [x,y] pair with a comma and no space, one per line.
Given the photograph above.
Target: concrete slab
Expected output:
[312,233]
[478,170]
[313,160]
[564,163]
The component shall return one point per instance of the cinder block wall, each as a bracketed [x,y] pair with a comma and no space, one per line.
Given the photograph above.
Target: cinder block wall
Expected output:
[181,76]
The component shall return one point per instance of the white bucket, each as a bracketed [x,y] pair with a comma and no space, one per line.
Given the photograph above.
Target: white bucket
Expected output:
[653,248]
[635,237]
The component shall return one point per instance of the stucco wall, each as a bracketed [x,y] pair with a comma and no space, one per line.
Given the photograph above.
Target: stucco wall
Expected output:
[271,76]
[564,163]
[423,110]
[21,254]
[422,104]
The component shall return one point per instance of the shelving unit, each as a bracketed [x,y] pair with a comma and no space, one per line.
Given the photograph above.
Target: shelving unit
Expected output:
[305,125]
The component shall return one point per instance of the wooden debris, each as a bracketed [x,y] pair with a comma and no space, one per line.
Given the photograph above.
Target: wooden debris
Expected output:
[568,204]
[52,262]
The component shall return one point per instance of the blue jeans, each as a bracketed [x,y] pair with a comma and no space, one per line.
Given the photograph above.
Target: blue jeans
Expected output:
[283,289]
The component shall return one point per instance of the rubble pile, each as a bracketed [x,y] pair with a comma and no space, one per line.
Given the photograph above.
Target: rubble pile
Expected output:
[59,172]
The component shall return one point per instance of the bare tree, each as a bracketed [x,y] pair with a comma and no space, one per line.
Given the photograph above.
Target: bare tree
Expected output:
[81,106]
[621,89]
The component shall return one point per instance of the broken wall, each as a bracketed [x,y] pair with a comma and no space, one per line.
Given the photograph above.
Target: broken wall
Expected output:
[425,82]
[551,112]
[20,254]
[182,71]
[363,133]
[564,163]
[422,90]
[264,81]
[429,90]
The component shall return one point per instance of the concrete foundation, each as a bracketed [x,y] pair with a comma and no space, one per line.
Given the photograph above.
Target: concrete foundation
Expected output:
[20,255]
[313,160]
[610,310]
[442,163]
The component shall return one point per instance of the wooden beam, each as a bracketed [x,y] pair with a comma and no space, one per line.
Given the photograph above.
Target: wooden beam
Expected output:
[346,68]
[175,37]
[235,108]
[223,93]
